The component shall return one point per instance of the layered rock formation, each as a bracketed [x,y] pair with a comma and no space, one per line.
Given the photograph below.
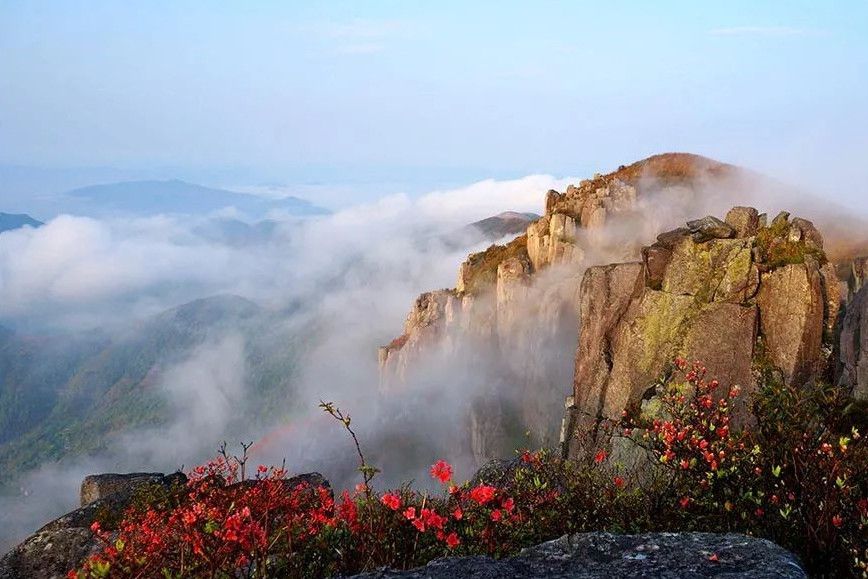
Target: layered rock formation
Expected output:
[735,294]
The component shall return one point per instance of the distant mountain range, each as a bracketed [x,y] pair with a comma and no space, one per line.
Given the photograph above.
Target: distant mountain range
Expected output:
[506,224]
[69,395]
[175,196]
[10,221]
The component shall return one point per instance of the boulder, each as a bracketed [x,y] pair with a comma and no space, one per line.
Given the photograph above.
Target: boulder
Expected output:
[604,555]
[98,486]
[853,370]
[710,227]
[745,221]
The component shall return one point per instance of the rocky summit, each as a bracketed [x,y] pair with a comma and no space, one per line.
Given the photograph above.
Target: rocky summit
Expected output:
[578,298]
[603,555]
[739,294]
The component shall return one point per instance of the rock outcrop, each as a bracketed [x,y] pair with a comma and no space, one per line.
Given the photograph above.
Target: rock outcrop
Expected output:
[63,544]
[853,370]
[603,555]
[516,306]
[734,294]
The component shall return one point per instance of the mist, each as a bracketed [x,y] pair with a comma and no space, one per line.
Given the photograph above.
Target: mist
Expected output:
[341,285]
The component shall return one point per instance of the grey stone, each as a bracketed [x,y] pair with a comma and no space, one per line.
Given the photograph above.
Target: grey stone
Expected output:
[745,221]
[853,372]
[98,486]
[708,228]
[604,555]
[781,218]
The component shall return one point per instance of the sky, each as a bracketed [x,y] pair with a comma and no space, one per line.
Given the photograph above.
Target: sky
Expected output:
[395,95]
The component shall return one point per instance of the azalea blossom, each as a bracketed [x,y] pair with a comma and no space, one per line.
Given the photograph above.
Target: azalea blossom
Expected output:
[442,471]
[391,500]
[482,493]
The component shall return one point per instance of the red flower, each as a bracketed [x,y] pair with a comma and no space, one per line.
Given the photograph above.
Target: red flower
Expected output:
[684,502]
[392,501]
[420,525]
[482,494]
[458,513]
[508,504]
[410,513]
[495,515]
[600,456]
[452,540]
[442,471]
[619,482]
[837,521]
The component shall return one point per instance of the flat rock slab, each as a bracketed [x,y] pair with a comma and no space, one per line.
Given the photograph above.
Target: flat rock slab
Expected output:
[603,555]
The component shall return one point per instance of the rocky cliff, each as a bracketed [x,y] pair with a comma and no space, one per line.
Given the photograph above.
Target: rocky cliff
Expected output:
[740,295]
[727,291]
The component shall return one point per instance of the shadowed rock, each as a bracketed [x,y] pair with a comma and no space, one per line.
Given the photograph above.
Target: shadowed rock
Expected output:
[603,555]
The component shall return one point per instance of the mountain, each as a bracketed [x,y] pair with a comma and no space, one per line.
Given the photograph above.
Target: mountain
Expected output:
[175,196]
[490,229]
[10,221]
[519,306]
[68,395]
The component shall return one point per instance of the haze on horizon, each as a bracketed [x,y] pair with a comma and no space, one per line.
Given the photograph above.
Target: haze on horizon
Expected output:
[345,102]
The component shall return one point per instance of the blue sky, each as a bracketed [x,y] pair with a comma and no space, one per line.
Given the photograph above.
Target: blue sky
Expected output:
[431,92]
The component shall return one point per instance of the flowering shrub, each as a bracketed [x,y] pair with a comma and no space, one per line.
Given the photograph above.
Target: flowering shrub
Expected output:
[797,475]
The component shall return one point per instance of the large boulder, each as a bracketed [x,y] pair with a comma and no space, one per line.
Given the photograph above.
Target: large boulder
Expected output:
[99,486]
[604,555]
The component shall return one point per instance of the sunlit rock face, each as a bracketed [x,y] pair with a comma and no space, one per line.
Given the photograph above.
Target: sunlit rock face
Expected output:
[734,290]
[736,294]
[512,320]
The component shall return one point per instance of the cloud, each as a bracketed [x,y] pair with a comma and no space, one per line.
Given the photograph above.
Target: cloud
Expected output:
[762,31]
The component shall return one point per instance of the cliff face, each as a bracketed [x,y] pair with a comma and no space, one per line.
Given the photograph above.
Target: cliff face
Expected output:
[737,294]
[515,307]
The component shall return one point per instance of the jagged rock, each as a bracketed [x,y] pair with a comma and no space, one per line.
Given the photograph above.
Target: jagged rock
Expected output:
[708,228]
[855,275]
[780,219]
[701,300]
[606,293]
[744,220]
[604,555]
[853,372]
[807,232]
[791,319]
